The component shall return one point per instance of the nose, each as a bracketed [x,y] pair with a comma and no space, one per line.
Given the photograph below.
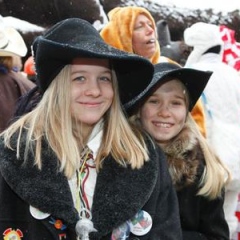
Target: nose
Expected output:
[164,111]
[93,88]
[149,29]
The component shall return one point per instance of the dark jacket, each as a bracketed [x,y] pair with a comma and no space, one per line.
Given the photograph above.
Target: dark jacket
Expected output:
[119,194]
[12,86]
[201,218]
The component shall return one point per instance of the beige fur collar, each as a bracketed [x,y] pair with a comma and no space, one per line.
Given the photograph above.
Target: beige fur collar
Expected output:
[182,157]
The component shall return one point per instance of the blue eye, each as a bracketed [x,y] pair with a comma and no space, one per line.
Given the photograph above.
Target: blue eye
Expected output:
[153,101]
[79,78]
[104,78]
[176,103]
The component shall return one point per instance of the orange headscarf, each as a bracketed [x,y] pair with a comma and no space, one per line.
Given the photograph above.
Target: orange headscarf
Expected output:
[119,30]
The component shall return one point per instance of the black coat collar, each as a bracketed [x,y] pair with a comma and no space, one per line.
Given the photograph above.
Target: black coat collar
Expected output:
[119,192]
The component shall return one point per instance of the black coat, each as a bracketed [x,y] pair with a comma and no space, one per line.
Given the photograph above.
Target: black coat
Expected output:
[119,194]
[201,218]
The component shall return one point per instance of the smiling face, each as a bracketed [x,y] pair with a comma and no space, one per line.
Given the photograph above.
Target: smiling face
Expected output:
[91,90]
[144,37]
[164,113]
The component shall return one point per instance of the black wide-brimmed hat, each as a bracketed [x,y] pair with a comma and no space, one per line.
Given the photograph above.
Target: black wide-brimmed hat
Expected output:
[194,80]
[75,37]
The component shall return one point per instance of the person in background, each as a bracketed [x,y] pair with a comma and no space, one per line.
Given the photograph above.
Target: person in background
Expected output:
[231,56]
[231,48]
[17,63]
[222,105]
[29,69]
[198,175]
[134,30]
[12,83]
[66,165]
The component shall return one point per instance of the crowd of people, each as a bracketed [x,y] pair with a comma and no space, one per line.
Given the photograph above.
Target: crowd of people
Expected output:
[102,137]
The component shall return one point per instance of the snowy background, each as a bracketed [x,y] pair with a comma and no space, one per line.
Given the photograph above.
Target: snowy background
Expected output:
[218,5]
[32,17]
[45,13]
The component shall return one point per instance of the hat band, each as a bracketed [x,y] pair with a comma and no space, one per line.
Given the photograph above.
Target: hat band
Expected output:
[5,45]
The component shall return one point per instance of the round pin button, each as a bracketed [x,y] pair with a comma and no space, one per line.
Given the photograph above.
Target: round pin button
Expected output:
[121,233]
[141,224]
[36,213]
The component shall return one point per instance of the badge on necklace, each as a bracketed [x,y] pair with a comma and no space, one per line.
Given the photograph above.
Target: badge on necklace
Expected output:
[36,213]
[141,223]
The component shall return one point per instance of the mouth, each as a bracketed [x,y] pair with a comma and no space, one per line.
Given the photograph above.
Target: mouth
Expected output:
[90,104]
[162,125]
[151,41]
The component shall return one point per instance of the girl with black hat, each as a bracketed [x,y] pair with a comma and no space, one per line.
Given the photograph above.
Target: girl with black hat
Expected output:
[163,110]
[73,167]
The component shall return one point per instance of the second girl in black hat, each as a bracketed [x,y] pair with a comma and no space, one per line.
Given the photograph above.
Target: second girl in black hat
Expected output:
[73,168]
[163,109]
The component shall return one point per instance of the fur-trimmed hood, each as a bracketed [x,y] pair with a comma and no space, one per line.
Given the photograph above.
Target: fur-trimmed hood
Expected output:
[184,157]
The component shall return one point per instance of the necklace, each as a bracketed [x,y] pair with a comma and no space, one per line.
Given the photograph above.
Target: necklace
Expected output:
[84,178]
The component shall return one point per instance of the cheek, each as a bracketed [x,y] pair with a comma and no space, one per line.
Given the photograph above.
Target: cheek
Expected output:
[108,92]
[145,114]
[136,39]
[182,116]
[74,93]
[76,90]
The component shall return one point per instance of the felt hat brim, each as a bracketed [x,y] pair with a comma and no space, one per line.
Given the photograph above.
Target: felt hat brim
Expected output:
[74,38]
[194,80]
[11,43]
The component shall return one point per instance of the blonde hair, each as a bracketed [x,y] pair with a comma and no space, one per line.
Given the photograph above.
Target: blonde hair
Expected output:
[216,175]
[51,120]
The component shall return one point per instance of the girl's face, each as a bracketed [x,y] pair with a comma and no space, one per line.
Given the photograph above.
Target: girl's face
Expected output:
[163,115]
[144,37]
[91,90]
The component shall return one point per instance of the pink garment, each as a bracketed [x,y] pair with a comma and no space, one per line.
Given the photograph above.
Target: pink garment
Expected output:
[231,52]
[237,234]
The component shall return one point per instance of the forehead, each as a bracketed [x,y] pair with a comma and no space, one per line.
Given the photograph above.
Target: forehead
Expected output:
[91,62]
[142,18]
[172,86]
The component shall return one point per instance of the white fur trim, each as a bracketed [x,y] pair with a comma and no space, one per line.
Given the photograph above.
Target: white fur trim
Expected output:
[201,36]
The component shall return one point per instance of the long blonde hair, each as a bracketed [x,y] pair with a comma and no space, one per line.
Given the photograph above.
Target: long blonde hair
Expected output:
[51,120]
[216,174]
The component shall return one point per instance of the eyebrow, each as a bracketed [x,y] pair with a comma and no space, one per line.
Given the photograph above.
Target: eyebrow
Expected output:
[84,71]
[175,96]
